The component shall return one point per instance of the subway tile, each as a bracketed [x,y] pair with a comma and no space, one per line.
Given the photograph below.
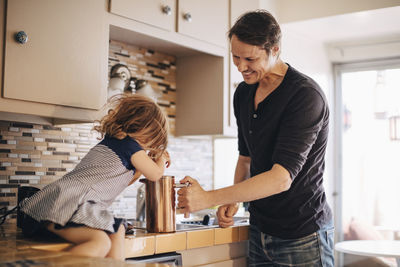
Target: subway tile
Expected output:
[49,127]
[23,138]
[24,177]
[21,125]
[53,140]
[24,173]
[9,186]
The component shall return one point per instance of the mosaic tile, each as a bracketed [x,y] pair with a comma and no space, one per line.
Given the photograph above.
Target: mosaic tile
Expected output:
[40,154]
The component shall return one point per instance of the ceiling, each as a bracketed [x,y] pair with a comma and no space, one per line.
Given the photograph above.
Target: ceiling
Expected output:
[353,26]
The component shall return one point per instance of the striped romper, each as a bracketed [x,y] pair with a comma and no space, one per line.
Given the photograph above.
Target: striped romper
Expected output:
[82,196]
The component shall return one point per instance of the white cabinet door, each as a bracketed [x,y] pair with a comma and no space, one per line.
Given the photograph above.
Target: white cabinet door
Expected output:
[206,20]
[159,13]
[64,61]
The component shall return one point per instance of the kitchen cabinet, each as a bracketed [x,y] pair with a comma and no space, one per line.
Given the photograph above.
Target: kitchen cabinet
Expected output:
[206,85]
[61,71]
[202,104]
[224,255]
[202,96]
[205,20]
[159,13]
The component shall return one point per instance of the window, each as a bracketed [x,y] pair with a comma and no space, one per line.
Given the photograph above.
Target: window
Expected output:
[368,154]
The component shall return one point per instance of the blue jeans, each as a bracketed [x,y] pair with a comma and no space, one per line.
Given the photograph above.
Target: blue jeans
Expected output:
[315,249]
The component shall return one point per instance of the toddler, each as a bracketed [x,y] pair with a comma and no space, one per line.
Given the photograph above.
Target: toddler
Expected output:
[134,139]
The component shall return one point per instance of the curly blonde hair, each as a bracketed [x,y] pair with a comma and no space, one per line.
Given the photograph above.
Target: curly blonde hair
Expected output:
[139,117]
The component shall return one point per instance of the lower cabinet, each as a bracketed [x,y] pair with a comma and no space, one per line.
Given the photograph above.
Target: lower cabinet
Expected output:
[232,254]
[238,262]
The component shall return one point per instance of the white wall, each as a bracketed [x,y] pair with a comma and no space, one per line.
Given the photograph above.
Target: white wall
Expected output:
[297,10]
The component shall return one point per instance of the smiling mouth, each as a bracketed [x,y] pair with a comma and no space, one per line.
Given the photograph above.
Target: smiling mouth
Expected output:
[247,73]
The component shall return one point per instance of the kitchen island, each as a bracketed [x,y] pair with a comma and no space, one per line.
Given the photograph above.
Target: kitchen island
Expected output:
[200,247]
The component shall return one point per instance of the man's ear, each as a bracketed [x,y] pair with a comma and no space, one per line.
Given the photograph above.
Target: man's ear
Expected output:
[275,51]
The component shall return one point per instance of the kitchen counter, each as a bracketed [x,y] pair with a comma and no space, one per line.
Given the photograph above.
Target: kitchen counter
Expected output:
[14,248]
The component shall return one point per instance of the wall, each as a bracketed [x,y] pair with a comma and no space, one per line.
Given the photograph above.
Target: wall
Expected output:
[34,154]
[38,154]
[298,10]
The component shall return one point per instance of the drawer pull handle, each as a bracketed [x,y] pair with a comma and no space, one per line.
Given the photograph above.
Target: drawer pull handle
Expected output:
[187,17]
[167,10]
[21,37]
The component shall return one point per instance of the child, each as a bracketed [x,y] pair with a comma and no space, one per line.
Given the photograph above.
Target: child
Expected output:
[74,207]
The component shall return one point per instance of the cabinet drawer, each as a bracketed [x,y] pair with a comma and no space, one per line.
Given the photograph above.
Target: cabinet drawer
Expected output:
[159,13]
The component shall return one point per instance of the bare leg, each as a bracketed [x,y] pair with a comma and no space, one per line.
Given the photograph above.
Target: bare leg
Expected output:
[117,250]
[88,241]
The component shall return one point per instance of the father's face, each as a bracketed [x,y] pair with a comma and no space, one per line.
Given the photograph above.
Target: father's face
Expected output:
[252,61]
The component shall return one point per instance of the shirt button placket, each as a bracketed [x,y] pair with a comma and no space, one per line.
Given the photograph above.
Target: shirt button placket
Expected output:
[255,117]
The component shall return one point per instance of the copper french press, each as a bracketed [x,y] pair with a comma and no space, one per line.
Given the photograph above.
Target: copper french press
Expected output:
[160,204]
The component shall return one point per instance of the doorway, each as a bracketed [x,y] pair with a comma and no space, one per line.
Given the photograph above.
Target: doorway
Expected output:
[367,150]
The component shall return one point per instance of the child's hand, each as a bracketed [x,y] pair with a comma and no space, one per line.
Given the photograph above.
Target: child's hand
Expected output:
[167,159]
[152,155]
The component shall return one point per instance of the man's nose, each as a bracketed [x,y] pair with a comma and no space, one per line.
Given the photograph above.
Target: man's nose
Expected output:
[242,66]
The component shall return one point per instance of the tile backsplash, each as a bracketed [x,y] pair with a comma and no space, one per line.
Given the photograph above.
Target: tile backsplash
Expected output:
[36,154]
[157,69]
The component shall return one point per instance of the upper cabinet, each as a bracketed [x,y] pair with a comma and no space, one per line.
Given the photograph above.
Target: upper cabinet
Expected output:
[205,20]
[159,13]
[61,63]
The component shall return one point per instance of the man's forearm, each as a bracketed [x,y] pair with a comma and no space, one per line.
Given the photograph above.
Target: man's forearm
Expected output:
[262,185]
[242,171]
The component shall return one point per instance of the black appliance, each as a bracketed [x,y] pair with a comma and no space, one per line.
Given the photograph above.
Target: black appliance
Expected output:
[24,192]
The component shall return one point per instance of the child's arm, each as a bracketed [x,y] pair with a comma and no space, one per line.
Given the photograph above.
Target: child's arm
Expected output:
[150,169]
[135,177]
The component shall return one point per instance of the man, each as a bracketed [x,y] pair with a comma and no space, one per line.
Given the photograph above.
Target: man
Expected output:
[282,117]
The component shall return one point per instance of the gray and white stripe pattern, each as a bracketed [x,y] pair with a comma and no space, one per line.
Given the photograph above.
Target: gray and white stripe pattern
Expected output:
[83,195]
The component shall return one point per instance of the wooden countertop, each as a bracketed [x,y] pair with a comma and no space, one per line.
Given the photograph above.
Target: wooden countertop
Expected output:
[14,248]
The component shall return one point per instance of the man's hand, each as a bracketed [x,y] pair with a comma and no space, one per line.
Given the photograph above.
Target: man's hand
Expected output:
[225,214]
[194,197]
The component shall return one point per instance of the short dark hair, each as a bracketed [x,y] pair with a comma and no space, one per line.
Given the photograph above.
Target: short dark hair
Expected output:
[257,28]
